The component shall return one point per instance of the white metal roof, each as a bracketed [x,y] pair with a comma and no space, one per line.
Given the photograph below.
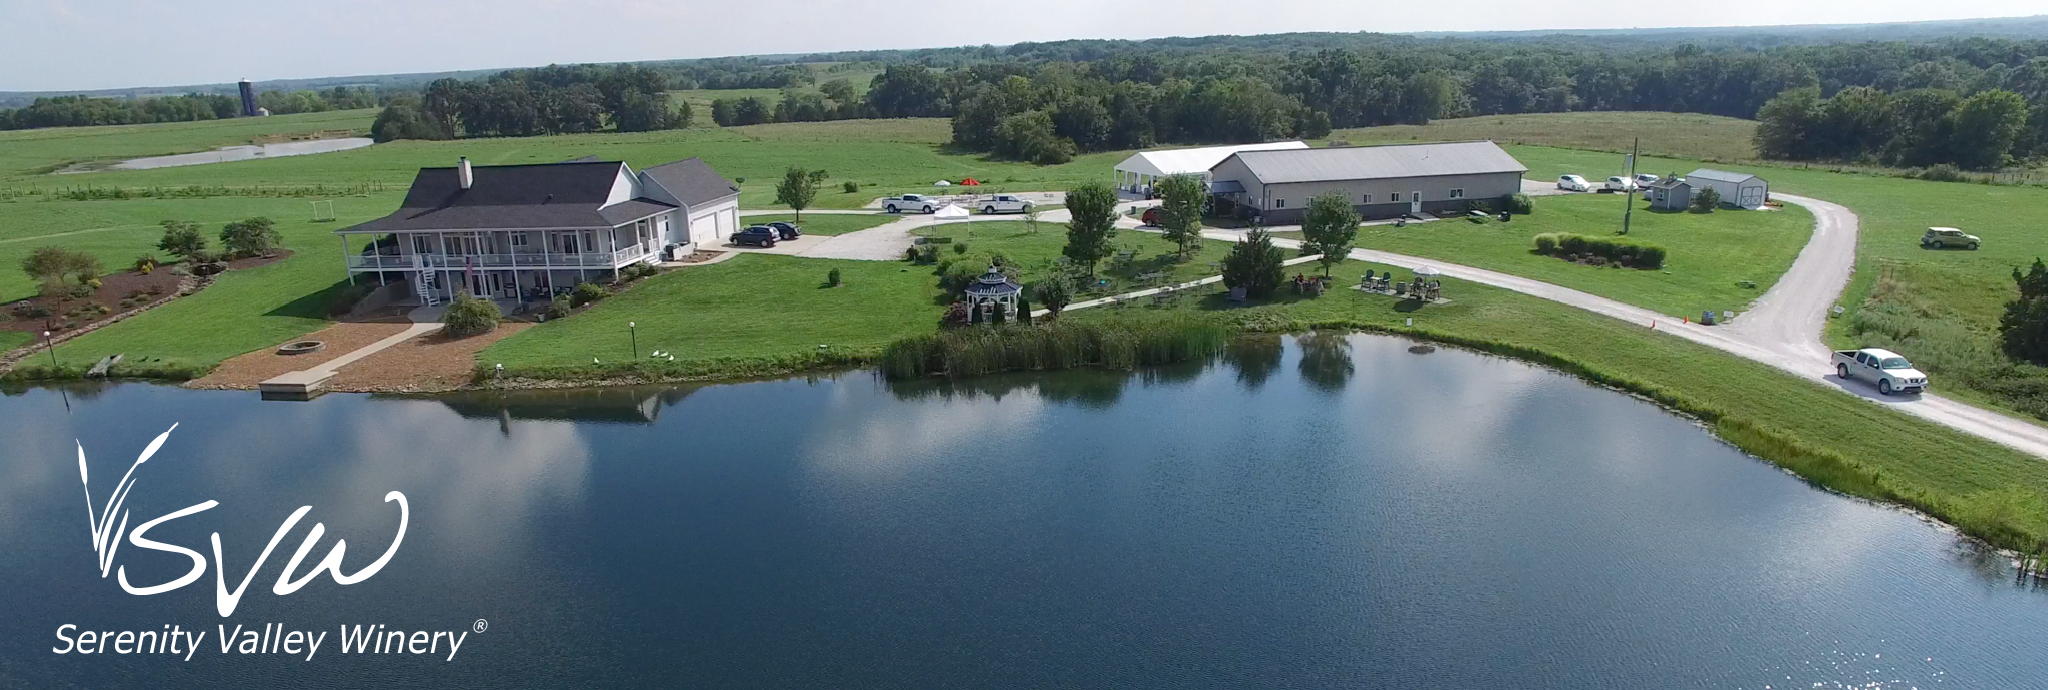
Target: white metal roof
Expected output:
[1720,175]
[1168,162]
[1380,162]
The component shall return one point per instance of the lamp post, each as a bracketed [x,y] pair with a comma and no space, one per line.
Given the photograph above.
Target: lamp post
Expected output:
[633,334]
[52,347]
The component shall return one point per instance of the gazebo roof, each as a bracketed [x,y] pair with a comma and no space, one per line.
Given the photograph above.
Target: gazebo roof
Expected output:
[993,284]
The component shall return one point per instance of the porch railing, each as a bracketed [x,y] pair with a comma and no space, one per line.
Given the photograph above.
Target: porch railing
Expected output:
[520,260]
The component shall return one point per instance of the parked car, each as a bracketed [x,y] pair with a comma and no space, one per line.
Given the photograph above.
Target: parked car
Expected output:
[1644,180]
[1891,373]
[1948,238]
[1618,183]
[1574,183]
[786,231]
[1150,218]
[915,203]
[758,235]
[1005,203]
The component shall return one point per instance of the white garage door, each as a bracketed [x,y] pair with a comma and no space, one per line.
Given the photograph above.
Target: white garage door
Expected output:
[704,230]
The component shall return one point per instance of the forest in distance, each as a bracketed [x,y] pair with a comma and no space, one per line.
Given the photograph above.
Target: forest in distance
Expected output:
[1974,103]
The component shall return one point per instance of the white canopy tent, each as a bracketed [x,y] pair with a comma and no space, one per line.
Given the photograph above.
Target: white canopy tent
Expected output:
[1144,169]
[950,212]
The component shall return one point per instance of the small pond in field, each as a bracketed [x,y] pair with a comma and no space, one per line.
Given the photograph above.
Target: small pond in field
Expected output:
[1322,511]
[227,154]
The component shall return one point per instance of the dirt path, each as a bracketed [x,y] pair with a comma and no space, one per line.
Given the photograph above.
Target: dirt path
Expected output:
[244,372]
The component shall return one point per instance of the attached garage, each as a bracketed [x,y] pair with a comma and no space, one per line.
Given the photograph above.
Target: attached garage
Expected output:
[708,201]
[1741,190]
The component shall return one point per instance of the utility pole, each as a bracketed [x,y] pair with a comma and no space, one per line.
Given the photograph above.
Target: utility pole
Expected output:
[1628,212]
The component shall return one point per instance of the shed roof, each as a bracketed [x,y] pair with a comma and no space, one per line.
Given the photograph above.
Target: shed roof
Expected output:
[1194,161]
[1721,175]
[1379,162]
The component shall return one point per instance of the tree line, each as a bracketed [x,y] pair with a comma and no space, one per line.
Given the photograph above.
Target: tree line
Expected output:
[557,99]
[88,111]
[1983,121]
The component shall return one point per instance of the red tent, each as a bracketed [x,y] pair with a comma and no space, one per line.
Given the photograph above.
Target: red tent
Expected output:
[970,181]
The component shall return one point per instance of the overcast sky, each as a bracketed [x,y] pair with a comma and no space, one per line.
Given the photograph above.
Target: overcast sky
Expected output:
[94,44]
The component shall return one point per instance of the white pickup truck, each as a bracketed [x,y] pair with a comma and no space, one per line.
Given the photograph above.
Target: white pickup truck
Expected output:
[1891,373]
[912,203]
[1005,203]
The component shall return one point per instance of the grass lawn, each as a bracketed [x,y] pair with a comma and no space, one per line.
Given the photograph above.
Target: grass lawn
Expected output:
[1682,135]
[825,223]
[13,339]
[1034,253]
[752,306]
[1709,254]
[32,152]
[1968,480]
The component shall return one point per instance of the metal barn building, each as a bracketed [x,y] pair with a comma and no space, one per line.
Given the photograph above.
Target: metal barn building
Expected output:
[1380,181]
[1144,169]
[1741,190]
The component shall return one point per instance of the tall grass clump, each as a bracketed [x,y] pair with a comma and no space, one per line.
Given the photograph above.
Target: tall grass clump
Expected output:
[1120,344]
[1621,250]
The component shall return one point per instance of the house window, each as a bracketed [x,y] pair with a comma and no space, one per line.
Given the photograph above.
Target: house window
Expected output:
[1396,196]
[1279,203]
[518,239]
[1457,193]
[1367,199]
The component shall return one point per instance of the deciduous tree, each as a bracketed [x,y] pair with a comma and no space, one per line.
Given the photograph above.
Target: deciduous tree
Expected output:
[1093,206]
[797,188]
[1180,211]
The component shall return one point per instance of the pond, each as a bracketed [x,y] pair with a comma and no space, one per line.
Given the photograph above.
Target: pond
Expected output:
[227,154]
[1312,512]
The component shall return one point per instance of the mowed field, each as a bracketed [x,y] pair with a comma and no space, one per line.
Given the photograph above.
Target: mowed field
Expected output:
[1685,135]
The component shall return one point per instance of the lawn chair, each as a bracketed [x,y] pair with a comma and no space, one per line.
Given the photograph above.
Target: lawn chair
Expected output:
[1366,281]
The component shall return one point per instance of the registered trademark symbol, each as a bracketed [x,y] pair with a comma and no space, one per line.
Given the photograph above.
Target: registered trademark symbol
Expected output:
[481,625]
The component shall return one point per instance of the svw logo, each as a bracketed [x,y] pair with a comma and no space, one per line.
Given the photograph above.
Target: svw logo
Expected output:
[107,536]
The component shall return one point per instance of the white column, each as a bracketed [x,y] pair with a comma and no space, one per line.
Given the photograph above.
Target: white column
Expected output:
[344,260]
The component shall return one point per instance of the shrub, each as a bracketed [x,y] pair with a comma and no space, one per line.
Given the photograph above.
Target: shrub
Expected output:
[79,291]
[181,238]
[850,186]
[1254,264]
[145,263]
[559,307]
[1620,250]
[832,278]
[1119,344]
[27,310]
[470,316]
[1054,292]
[1706,201]
[956,275]
[1518,204]
[586,293]
[959,247]
[1944,172]
[250,237]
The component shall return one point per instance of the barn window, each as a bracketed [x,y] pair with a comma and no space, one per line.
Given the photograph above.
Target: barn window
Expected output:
[1279,203]
[1396,196]
[1457,193]
[1367,199]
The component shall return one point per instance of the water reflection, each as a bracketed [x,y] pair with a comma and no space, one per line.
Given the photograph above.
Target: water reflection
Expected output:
[1326,359]
[1255,357]
[626,405]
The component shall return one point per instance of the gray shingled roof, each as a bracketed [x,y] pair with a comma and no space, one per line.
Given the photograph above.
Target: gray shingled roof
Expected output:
[545,195]
[1379,162]
[693,181]
[1720,175]
[631,210]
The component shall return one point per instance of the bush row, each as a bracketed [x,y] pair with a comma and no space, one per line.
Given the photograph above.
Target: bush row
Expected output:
[1618,249]
[1063,345]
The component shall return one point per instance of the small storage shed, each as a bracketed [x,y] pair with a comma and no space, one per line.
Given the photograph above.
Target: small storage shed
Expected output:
[1741,190]
[1670,194]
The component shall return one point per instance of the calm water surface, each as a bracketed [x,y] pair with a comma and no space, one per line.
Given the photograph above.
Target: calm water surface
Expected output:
[1327,512]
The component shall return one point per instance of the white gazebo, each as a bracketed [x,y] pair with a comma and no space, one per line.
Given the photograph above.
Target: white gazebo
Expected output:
[1144,169]
[990,292]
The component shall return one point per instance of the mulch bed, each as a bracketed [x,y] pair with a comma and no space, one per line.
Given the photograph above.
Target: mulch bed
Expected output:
[245,371]
[117,293]
[429,364]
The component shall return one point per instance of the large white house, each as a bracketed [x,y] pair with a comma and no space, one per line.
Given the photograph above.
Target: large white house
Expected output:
[528,232]
[1144,169]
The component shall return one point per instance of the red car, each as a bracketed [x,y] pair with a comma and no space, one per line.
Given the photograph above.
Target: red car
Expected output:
[1150,217]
